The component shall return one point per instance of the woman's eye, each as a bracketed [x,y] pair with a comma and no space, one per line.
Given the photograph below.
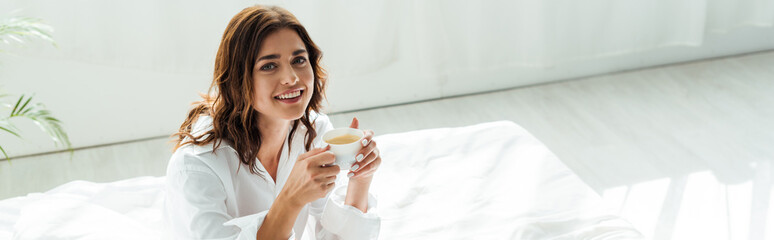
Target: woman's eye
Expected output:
[267,67]
[299,60]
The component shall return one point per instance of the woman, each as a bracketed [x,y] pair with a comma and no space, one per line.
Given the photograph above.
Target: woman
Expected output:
[249,162]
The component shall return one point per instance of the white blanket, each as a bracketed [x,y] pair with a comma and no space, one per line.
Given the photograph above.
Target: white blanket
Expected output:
[486,181]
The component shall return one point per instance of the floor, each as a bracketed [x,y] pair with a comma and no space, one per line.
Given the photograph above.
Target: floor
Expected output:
[684,151]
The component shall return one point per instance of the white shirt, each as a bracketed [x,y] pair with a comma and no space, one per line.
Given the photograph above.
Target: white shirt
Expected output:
[207,198]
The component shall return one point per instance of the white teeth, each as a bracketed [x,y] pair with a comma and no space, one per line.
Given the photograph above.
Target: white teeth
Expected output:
[290,95]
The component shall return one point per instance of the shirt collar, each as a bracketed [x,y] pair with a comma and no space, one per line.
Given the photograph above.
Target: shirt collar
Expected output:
[204,124]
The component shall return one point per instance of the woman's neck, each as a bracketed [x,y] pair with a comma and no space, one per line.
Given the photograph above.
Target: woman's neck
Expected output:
[273,133]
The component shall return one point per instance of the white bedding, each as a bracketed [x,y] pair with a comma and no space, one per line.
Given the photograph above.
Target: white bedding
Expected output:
[486,181]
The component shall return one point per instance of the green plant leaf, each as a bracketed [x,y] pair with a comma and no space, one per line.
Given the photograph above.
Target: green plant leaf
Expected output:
[17,105]
[17,29]
[8,129]
[4,154]
[43,118]
[19,112]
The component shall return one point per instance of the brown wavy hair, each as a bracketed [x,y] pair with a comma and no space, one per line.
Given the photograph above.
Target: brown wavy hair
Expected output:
[229,99]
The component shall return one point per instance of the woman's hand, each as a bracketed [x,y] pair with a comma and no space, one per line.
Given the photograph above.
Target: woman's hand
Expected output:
[309,180]
[361,173]
[367,161]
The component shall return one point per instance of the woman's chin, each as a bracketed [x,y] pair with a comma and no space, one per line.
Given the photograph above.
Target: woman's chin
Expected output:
[296,117]
[294,114]
[290,112]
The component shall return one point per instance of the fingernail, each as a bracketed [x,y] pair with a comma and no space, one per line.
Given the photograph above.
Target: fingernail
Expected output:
[350,174]
[359,157]
[364,142]
[354,167]
[329,152]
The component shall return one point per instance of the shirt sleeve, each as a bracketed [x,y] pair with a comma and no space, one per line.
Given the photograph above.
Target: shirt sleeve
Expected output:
[196,209]
[336,220]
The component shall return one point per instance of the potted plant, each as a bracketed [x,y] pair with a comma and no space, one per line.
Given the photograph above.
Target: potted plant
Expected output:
[19,29]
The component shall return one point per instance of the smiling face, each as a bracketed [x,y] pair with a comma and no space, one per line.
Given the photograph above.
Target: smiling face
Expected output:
[283,78]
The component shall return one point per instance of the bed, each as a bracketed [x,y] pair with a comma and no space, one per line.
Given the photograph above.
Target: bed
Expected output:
[486,181]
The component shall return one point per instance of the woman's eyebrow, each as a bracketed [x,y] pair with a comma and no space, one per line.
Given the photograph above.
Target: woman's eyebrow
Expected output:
[275,56]
[299,51]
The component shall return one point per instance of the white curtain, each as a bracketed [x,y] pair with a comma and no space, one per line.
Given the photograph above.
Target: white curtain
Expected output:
[439,36]
[378,52]
[724,15]
[448,37]
[539,33]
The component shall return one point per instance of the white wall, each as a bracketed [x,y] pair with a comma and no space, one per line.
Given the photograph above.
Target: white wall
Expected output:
[126,70]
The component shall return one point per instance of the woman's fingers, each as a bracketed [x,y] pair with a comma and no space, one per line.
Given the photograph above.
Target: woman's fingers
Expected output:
[322,159]
[367,169]
[368,135]
[366,161]
[364,152]
[355,123]
[368,145]
[330,170]
[327,188]
[328,180]
[326,183]
[366,156]
[313,152]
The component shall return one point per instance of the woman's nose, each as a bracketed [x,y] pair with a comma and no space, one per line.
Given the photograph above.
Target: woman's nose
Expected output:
[290,77]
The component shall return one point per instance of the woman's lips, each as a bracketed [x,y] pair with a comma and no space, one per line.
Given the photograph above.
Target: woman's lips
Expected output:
[289,93]
[290,100]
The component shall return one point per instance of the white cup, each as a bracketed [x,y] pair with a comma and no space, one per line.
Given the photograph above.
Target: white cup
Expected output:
[345,153]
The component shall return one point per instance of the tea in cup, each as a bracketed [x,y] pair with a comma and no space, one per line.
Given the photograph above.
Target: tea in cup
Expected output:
[345,144]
